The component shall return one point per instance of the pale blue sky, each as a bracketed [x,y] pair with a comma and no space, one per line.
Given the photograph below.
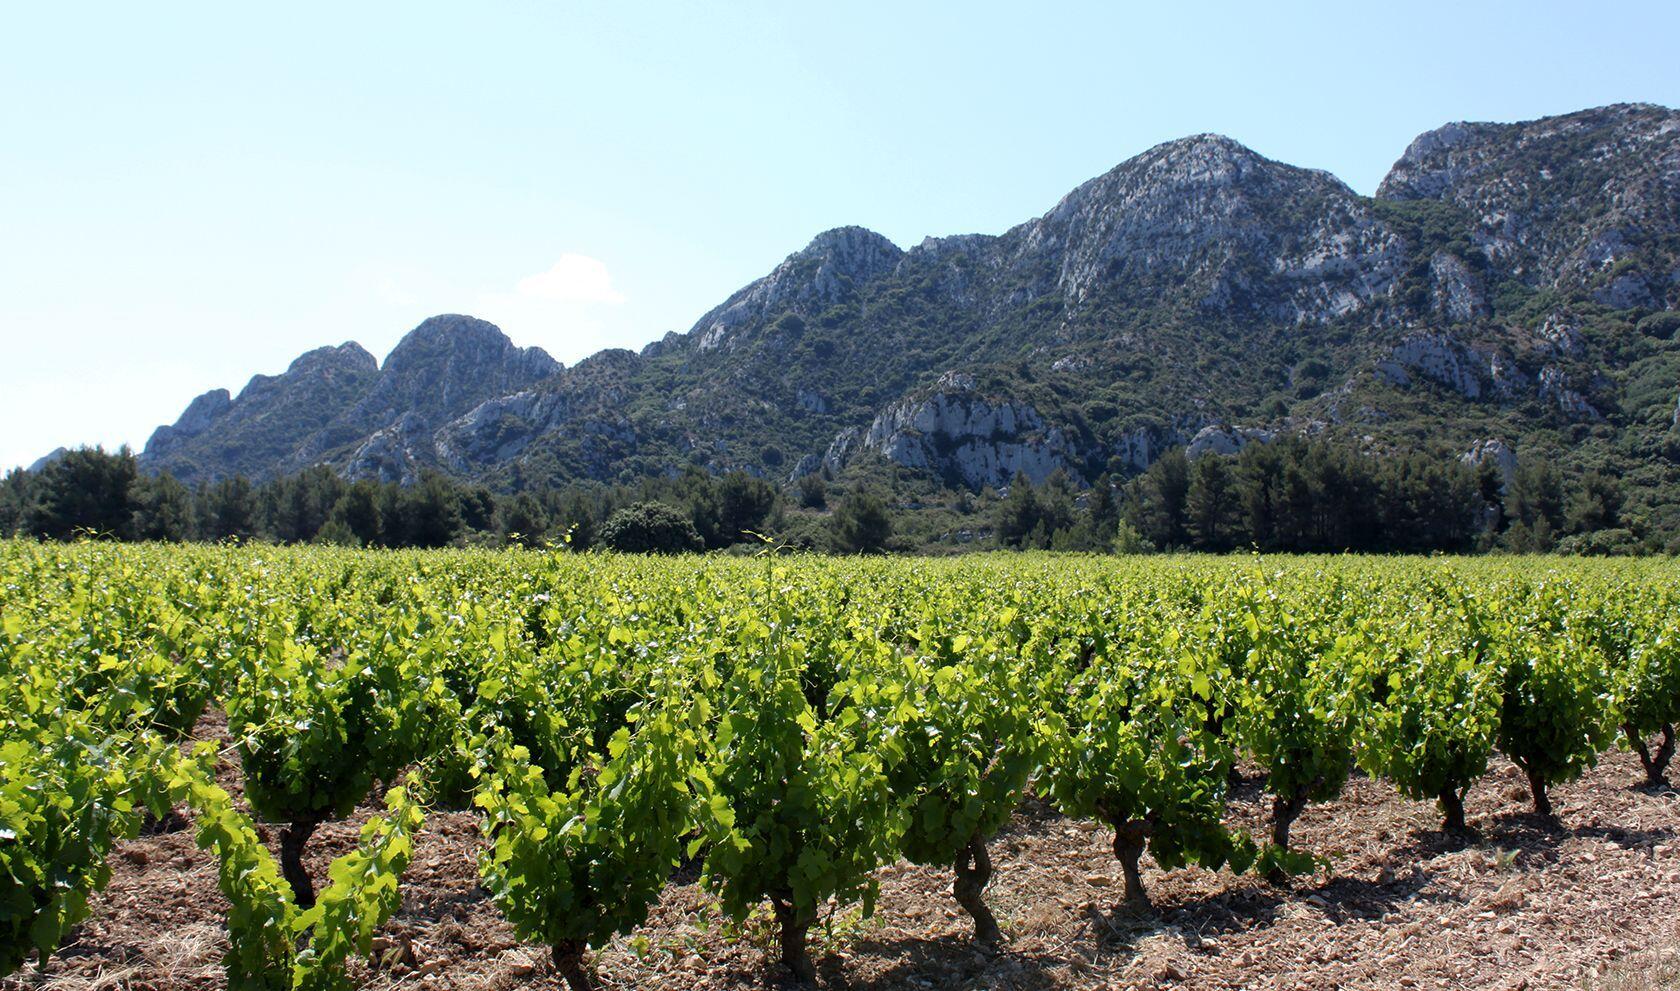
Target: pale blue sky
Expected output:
[193,193]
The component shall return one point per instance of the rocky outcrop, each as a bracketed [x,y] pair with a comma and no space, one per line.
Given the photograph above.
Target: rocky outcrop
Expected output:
[811,401]
[41,463]
[1474,373]
[965,437]
[964,268]
[496,430]
[1556,389]
[579,408]
[1225,440]
[339,406]
[809,464]
[841,449]
[1457,291]
[1138,448]
[1497,453]
[1477,373]
[440,370]
[394,454]
[1560,334]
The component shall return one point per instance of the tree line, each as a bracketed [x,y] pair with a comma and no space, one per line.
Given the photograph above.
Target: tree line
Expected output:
[1322,496]
[92,492]
[1293,495]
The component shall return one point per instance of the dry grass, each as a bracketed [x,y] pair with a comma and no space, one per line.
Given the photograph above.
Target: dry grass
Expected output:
[1658,970]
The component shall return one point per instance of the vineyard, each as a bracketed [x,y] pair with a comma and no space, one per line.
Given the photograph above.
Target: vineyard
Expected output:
[727,769]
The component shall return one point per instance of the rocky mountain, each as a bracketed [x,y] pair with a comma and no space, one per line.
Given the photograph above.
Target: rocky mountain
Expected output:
[1585,201]
[1509,284]
[257,433]
[340,406]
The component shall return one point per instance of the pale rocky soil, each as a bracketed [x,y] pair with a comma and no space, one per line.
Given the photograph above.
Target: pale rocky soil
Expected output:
[1593,903]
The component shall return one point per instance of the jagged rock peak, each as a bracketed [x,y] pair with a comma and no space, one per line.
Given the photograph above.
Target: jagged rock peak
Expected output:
[615,358]
[454,325]
[856,252]
[1207,215]
[195,420]
[953,244]
[1205,147]
[203,409]
[41,463]
[1196,285]
[835,262]
[1209,161]
[463,335]
[347,355]
[1438,160]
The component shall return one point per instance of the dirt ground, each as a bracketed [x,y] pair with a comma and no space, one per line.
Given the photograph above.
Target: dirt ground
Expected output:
[1591,903]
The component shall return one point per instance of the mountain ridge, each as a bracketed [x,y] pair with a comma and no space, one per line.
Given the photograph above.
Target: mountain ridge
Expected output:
[1196,293]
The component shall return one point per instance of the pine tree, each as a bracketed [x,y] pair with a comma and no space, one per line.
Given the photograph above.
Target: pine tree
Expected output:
[227,510]
[1018,515]
[861,524]
[522,520]
[163,509]
[85,491]
[1210,503]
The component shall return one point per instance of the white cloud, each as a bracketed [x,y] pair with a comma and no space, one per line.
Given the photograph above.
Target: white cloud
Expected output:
[566,309]
[573,279]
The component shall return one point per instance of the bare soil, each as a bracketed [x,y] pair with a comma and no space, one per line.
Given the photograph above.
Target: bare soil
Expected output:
[1591,902]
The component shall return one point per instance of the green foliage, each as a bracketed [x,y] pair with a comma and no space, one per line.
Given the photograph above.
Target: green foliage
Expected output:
[813,491]
[1157,506]
[227,510]
[965,742]
[793,721]
[523,520]
[1638,631]
[797,800]
[311,734]
[84,491]
[575,862]
[1596,504]
[429,515]
[744,503]
[274,945]
[1296,700]
[17,496]
[861,524]
[970,742]
[362,895]
[64,799]
[1662,325]
[1307,495]
[650,528]
[1211,504]
[1031,517]
[1558,709]
[1127,744]
[357,512]
[1435,698]
[163,508]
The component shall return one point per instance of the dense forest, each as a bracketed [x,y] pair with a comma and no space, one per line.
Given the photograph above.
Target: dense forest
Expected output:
[1294,495]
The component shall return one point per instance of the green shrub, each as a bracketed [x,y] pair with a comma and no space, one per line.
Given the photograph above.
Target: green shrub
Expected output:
[650,528]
